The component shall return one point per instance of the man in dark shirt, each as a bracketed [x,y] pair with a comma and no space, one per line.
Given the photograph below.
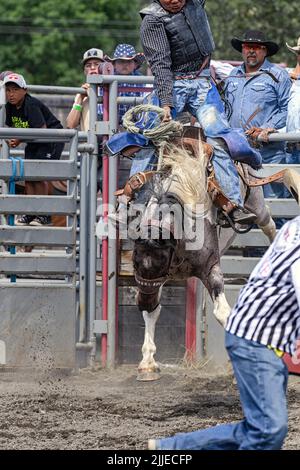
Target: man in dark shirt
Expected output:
[178,44]
[25,111]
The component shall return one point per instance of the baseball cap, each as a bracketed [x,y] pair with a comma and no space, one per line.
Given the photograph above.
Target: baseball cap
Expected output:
[93,54]
[15,78]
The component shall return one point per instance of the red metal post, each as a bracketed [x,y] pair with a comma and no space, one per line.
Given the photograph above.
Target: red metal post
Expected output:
[190,318]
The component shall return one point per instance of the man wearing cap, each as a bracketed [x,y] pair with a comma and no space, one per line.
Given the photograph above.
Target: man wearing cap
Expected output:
[257,94]
[127,61]
[178,43]
[79,115]
[293,117]
[25,111]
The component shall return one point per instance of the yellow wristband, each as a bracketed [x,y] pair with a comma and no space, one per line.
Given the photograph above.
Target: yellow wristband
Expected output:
[78,107]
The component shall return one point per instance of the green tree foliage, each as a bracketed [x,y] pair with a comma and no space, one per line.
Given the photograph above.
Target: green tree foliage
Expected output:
[279,19]
[45,39]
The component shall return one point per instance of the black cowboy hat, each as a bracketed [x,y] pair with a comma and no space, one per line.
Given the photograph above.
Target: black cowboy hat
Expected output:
[256,37]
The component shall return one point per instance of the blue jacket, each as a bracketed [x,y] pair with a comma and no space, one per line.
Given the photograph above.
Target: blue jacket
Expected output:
[266,95]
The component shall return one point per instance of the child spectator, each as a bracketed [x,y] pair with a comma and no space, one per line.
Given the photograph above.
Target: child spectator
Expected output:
[25,111]
[79,114]
[127,61]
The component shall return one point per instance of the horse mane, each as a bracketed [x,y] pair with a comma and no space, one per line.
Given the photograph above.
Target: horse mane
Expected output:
[186,174]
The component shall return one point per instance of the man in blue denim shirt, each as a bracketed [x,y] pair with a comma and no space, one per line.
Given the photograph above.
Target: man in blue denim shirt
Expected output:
[257,94]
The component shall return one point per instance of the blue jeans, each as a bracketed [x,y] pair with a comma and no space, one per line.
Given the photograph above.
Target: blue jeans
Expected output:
[274,190]
[144,160]
[190,95]
[262,380]
[293,158]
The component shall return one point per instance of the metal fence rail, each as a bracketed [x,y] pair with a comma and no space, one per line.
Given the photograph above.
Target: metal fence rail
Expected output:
[77,259]
[65,237]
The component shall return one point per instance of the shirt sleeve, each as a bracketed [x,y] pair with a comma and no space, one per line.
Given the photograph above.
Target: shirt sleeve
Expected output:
[295,271]
[279,117]
[158,54]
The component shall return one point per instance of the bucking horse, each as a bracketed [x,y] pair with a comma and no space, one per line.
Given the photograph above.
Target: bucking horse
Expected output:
[178,235]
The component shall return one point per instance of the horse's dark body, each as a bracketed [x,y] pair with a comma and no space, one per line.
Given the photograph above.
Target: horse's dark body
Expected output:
[156,261]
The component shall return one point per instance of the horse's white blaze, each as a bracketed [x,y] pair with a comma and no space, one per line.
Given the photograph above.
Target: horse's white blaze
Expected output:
[149,348]
[147,262]
[221,309]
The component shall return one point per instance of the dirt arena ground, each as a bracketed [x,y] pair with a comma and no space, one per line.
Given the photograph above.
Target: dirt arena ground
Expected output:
[111,410]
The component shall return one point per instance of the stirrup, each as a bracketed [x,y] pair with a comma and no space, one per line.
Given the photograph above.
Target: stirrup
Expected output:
[225,221]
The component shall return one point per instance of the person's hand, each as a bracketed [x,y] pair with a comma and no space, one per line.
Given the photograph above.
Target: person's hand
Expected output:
[294,75]
[80,96]
[264,135]
[255,132]
[13,143]
[167,114]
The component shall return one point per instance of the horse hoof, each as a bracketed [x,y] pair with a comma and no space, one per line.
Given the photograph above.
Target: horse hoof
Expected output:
[147,375]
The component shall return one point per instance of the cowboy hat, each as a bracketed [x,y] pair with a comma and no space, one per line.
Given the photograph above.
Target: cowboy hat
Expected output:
[256,37]
[295,49]
[127,52]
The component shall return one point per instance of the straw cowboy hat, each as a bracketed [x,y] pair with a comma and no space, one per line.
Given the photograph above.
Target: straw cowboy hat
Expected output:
[256,37]
[295,49]
[127,52]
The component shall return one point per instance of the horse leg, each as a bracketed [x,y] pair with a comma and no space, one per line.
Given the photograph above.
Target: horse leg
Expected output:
[256,204]
[291,180]
[149,305]
[148,369]
[215,286]
[269,228]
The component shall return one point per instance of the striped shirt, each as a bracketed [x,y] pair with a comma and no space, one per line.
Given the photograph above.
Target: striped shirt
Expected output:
[267,310]
[158,54]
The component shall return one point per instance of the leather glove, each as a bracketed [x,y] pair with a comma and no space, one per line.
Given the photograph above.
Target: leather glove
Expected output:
[255,132]
[264,135]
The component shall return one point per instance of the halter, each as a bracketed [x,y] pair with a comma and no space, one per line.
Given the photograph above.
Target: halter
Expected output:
[145,285]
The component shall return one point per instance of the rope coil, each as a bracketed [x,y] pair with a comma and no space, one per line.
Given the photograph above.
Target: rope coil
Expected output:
[158,134]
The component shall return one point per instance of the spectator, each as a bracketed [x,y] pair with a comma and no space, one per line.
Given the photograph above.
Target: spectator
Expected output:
[79,115]
[257,94]
[25,111]
[127,61]
[293,117]
[263,324]
[4,73]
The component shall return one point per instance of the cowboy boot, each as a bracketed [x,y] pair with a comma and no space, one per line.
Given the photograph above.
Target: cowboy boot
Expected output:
[237,214]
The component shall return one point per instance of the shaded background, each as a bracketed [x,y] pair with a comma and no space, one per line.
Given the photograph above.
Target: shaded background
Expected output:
[45,40]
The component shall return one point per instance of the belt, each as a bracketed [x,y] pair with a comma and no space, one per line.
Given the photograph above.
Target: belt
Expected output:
[278,352]
[191,76]
[197,74]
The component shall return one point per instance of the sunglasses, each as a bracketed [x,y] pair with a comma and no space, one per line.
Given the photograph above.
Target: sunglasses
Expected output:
[255,47]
